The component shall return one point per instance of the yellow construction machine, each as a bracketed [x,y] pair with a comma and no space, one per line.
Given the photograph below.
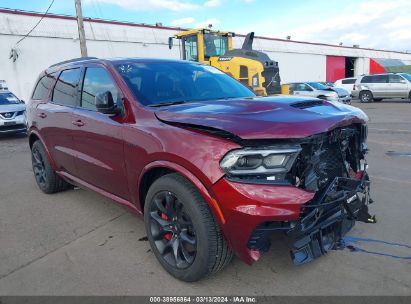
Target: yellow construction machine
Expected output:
[252,68]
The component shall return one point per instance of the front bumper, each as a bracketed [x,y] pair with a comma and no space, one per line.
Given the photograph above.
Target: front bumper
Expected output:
[315,222]
[17,124]
[345,100]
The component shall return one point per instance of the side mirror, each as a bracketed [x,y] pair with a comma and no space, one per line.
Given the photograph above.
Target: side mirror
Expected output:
[170,42]
[403,81]
[105,104]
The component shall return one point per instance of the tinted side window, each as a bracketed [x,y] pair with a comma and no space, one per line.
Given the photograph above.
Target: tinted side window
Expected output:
[395,78]
[43,87]
[380,79]
[367,79]
[65,90]
[348,81]
[96,81]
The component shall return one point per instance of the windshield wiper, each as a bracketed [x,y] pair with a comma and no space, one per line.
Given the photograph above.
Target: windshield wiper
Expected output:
[163,104]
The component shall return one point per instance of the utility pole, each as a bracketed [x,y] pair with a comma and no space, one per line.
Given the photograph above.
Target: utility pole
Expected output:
[81,34]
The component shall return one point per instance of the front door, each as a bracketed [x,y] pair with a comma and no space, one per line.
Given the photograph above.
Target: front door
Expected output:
[98,137]
[398,87]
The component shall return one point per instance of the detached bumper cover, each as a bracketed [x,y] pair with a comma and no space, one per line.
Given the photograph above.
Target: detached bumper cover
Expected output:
[331,216]
[253,212]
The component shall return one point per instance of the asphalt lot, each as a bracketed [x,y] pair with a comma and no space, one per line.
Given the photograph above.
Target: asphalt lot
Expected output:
[78,243]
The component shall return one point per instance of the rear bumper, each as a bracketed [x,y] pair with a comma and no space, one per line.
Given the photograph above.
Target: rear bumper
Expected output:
[314,221]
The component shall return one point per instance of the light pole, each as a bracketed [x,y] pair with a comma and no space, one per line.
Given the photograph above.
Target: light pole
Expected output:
[81,34]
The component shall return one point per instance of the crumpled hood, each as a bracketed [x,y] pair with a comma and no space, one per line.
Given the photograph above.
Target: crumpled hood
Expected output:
[340,91]
[264,117]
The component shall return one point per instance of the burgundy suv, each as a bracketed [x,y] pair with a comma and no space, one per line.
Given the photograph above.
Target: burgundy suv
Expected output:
[213,169]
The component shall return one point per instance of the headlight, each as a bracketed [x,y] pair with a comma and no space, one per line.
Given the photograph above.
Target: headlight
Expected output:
[257,162]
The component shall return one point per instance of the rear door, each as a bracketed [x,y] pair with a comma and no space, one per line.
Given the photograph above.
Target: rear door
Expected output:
[54,118]
[98,137]
[380,86]
[398,87]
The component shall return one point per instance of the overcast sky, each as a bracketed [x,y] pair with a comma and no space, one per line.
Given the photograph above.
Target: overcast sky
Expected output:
[381,24]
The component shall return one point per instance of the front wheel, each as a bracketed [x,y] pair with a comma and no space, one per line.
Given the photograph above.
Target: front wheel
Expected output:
[366,96]
[182,231]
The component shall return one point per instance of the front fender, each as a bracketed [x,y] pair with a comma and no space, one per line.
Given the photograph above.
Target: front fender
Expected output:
[207,194]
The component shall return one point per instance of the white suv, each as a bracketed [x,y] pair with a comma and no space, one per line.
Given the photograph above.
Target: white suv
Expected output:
[376,87]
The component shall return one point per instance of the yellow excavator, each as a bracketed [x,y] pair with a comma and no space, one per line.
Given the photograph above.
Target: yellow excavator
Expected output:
[252,68]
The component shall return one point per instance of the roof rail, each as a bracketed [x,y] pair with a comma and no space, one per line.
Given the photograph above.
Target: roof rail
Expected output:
[73,60]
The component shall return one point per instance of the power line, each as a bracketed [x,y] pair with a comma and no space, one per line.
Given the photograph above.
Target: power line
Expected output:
[42,17]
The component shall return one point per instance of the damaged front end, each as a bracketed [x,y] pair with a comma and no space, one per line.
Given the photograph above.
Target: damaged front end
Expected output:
[333,166]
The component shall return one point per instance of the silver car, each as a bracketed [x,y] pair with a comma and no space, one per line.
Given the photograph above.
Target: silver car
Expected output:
[316,89]
[12,114]
[376,87]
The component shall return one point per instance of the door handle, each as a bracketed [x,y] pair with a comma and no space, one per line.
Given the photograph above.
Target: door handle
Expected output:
[42,115]
[78,123]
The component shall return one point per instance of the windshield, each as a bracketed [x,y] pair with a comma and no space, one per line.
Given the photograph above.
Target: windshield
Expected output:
[8,99]
[317,86]
[214,45]
[406,76]
[159,82]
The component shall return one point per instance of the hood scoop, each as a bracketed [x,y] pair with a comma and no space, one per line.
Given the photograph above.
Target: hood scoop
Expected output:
[307,104]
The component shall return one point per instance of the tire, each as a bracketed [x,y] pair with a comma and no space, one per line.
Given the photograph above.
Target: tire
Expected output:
[409,97]
[182,231]
[46,178]
[366,96]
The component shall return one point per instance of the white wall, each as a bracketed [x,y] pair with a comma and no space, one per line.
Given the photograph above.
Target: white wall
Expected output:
[56,39]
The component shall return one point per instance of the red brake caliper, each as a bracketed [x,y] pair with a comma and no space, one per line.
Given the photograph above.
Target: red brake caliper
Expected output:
[168,235]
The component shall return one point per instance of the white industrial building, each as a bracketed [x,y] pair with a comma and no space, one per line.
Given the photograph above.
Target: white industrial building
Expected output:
[56,39]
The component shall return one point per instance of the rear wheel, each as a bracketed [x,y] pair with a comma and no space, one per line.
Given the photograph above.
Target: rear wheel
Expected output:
[182,231]
[47,180]
[366,96]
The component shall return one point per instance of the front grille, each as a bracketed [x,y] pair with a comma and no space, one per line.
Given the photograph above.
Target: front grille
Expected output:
[12,127]
[328,156]
[272,80]
[7,115]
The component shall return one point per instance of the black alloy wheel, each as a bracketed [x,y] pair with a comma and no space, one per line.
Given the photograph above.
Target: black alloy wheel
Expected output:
[182,231]
[39,168]
[172,230]
[46,178]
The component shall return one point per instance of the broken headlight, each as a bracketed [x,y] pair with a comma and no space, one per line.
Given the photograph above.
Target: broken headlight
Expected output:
[269,162]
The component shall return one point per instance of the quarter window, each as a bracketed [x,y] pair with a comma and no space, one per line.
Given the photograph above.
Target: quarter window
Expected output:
[41,92]
[96,81]
[65,91]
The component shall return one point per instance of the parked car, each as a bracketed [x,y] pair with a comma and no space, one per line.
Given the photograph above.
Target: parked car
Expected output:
[376,87]
[12,114]
[316,89]
[213,169]
[346,83]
